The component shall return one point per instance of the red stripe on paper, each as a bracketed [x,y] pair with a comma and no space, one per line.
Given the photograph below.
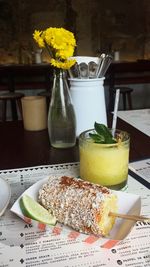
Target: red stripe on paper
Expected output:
[91,239]
[110,244]
[73,235]
[57,230]
[41,226]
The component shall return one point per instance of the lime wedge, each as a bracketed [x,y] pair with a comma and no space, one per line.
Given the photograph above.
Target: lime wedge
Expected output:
[34,210]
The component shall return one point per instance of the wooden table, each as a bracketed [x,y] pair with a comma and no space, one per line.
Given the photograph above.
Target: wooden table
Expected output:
[25,77]
[40,76]
[36,76]
[20,148]
[124,73]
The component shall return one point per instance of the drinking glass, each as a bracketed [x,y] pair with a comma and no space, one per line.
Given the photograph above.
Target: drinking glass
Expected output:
[105,164]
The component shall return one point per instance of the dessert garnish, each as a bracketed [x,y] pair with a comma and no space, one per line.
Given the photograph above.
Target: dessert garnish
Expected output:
[102,134]
[32,209]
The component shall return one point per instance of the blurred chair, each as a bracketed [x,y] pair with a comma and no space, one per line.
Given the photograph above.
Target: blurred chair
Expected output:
[125,92]
[15,100]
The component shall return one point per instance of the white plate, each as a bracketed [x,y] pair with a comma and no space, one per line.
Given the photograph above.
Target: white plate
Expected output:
[128,204]
[5,195]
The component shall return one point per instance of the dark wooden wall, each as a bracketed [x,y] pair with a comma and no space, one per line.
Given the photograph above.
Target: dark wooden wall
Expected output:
[99,25]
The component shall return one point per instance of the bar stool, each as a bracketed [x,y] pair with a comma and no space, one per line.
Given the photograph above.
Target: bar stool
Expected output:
[125,92]
[15,99]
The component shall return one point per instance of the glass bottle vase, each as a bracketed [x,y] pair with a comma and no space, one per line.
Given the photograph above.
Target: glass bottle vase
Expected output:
[61,115]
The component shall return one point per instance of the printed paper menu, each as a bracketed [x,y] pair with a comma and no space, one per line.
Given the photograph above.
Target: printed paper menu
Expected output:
[142,168]
[23,244]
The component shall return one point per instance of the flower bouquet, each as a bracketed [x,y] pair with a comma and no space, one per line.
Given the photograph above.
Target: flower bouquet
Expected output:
[60,44]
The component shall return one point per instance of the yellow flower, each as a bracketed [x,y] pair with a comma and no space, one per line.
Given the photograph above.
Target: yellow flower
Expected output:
[63,65]
[60,43]
[64,54]
[37,37]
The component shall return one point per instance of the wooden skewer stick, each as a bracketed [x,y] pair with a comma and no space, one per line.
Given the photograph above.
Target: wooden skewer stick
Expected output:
[129,217]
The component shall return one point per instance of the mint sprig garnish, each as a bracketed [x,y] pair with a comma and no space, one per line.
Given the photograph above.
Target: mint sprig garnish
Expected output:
[102,134]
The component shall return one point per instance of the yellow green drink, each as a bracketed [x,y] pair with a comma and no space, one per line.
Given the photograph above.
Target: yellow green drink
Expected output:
[105,164]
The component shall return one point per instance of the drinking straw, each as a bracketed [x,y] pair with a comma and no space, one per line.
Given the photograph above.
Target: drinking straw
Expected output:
[115,111]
